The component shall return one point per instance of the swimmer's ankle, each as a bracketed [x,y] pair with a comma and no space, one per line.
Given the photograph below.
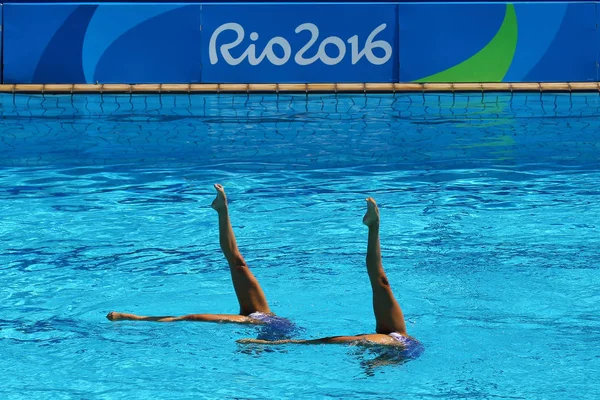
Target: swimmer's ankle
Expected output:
[371,218]
[220,201]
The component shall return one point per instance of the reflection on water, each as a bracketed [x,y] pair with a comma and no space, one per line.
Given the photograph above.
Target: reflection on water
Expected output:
[270,132]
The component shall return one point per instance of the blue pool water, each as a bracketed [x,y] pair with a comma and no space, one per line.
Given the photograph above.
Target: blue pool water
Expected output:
[490,210]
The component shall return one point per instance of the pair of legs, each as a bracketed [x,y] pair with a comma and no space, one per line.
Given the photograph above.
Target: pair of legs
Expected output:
[388,314]
[249,293]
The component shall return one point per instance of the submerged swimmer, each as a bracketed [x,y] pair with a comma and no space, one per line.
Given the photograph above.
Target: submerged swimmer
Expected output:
[254,308]
[390,326]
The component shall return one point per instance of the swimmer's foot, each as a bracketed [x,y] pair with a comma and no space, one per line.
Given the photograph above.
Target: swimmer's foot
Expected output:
[220,202]
[117,316]
[371,218]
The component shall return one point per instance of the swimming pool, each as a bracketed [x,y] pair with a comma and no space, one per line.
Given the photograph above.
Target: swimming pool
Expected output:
[489,205]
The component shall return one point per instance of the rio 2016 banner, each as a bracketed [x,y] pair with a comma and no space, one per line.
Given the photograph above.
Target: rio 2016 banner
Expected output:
[300,42]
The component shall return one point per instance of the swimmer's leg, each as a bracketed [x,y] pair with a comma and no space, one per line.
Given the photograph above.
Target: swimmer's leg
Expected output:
[239,319]
[362,339]
[249,293]
[388,313]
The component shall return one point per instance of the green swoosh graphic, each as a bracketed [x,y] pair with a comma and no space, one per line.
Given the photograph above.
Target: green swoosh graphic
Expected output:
[492,62]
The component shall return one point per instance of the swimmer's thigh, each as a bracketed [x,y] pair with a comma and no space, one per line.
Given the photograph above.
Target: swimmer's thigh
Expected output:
[378,338]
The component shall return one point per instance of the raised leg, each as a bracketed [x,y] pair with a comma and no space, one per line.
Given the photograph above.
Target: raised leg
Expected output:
[388,313]
[249,293]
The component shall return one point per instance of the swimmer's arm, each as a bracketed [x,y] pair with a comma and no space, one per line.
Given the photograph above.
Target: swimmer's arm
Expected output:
[325,340]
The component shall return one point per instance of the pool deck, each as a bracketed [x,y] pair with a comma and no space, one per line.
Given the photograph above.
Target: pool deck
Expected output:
[304,88]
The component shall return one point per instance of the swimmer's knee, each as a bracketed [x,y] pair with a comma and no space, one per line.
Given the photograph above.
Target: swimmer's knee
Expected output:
[240,268]
[383,281]
[238,262]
